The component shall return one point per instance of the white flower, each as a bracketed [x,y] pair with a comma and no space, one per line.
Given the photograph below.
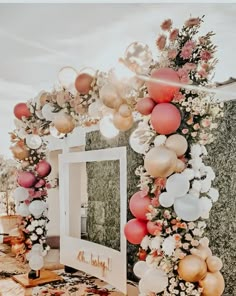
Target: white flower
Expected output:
[206,205]
[35,223]
[168,245]
[196,150]
[214,194]
[204,150]
[30,228]
[196,186]
[194,192]
[197,174]
[160,140]
[197,232]
[145,242]
[33,237]
[155,243]
[39,231]
[41,222]
[206,185]
[210,173]
[189,173]
[196,163]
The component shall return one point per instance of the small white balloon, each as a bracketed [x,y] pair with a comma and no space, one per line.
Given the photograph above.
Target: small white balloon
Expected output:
[23,210]
[143,287]
[188,207]
[47,112]
[37,207]
[140,268]
[154,280]
[177,185]
[67,76]
[107,128]
[36,262]
[20,194]
[33,141]
[37,248]
[166,199]
[206,205]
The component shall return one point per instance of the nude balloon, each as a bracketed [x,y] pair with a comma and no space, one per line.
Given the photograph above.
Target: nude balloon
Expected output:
[145,106]
[213,284]
[192,268]
[177,143]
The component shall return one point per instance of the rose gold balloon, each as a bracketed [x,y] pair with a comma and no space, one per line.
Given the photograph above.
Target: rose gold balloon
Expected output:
[20,152]
[160,162]
[202,251]
[214,263]
[180,166]
[192,268]
[64,123]
[83,83]
[177,143]
[213,284]
[124,110]
[122,123]
[110,97]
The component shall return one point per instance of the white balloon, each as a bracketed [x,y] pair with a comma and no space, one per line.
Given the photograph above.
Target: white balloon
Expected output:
[67,76]
[143,287]
[107,128]
[37,248]
[166,199]
[33,141]
[135,144]
[23,210]
[177,185]
[20,194]
[37,207]
[154,280]
[187,207]
[47,112]
[36,262]
[140,268]
[94,109]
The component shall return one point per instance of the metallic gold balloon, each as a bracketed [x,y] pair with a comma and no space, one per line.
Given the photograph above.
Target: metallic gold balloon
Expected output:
[20,152]
[177,143]
[160,162]
[180,166]
[124,110]
[122,123]
[213,284]
[214,263]
[202,251]
[110,97]
[64,123]
[192,268]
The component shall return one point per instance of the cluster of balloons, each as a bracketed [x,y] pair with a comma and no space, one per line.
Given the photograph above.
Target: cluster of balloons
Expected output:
[165,117]
[162,161]
[152,280]
[136,228]
[111,98]
[203,268]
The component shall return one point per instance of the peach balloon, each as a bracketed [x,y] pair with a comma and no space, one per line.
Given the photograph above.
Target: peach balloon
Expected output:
[145,106]
[160,162]
[214,263]
[202,251]
[122,123]
[83,83]
[138,205]
[180,166]
[165,118]
[192,268]
[64,123]
[124,110]
[213,284]
[161,92]
[20,152]
[177,143]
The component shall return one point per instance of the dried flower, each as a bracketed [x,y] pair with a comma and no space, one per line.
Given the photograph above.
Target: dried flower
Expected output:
[161,42]
[174,34]
[166,25]
[192,22]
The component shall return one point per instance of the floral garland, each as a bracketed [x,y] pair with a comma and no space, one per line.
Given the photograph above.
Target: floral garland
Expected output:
[176,192]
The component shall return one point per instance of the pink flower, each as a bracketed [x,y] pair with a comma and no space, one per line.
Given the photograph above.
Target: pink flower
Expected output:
[161,42]
[203,73]
[194,134]
[174,34]
[185,131]
[183,75]
[196,126]
[166,25]
[186,53]
[192,22]
[189,67]
[206,122]
[172,53]
[205,55]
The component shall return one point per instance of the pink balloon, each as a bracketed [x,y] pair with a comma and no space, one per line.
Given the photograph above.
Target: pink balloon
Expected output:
[40,183]
[145,106]
[21,110]
[165,118]
[135,230]
[139,205]
[153,228]
[26,179]
[43,168]
[163,93]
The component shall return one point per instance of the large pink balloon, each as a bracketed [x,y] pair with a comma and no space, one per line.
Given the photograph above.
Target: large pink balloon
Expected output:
[135,230]
[21,110]
[43,168]
[145,106]
[26,179]
[139,205]
[163,93]
[165,118]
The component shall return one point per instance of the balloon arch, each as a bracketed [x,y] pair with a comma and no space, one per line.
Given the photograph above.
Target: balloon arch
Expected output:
[175,190]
